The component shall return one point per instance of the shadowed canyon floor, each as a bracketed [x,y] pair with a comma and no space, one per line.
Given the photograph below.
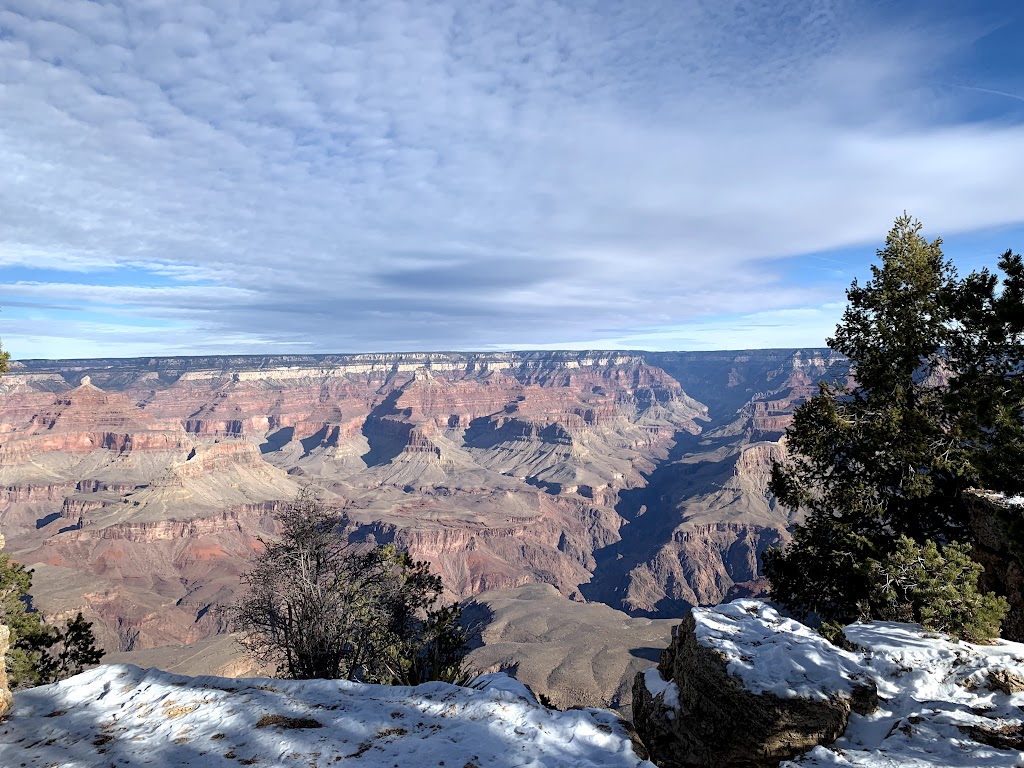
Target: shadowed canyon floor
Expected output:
[138,489]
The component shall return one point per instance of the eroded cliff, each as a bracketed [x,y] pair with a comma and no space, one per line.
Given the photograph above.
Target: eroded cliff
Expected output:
[139,488]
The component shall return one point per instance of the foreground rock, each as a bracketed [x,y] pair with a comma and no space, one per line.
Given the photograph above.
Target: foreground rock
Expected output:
[123,715]
[742,686]
[6,700]
[771,687]
[5,639]
[996,523]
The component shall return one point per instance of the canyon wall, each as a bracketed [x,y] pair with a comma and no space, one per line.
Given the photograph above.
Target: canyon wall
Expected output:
[139,489]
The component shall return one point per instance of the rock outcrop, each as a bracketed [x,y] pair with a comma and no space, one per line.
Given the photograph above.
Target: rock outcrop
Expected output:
[997,524]
[6,700]
[708,703]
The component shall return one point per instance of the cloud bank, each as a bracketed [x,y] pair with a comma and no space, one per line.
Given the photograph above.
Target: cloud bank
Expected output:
[319,176]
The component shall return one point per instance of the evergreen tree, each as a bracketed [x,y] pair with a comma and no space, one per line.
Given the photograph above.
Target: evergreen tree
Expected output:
[936,362]
[39,653]
[320,607]
[15,582]
[933,586]
[986,397]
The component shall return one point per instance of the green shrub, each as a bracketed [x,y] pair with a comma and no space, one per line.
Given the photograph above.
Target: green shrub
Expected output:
[320,607]
[936,587]
[40,653]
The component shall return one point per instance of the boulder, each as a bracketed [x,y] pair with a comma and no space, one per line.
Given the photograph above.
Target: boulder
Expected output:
[742,686]
[6,700]
[998,527]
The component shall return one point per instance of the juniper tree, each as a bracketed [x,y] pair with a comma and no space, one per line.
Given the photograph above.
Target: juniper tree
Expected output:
[319,606]
[39,653]
[937,397]
[934,586]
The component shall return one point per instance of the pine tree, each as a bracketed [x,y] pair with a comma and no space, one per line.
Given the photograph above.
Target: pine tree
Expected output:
[320,607]
[937,399]
[39,653]
[15,582]
[933,586]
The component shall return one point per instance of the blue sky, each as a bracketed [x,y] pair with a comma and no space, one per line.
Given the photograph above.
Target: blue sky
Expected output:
[255,176]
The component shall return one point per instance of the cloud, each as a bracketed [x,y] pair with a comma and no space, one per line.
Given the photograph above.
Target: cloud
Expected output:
[411,174]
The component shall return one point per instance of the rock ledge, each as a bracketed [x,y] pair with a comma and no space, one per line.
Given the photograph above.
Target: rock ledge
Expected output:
[707,704]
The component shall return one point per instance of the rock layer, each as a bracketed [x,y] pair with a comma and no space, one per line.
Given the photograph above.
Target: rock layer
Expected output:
[145,484]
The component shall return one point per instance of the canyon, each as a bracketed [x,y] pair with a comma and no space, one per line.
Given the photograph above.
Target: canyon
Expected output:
[139,489]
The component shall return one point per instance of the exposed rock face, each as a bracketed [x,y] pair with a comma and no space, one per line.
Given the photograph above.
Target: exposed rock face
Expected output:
[145,484]
[6,700]
[704,706]
[697,528]
[997,526]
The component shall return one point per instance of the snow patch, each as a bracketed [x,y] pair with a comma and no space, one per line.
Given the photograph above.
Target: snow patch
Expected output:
[123,715]
[937,705]
[659,686]
[774,654]
[1003,499]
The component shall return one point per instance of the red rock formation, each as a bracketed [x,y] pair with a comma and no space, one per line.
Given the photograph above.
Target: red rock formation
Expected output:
[500,469]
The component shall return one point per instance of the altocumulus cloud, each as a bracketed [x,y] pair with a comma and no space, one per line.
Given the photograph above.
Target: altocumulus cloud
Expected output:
[186,176]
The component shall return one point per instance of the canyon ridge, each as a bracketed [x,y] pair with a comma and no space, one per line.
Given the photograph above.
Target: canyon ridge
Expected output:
[138,489]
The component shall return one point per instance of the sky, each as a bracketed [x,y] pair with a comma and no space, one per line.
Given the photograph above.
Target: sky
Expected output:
[304,176]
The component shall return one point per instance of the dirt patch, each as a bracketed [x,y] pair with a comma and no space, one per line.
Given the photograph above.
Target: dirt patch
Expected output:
[1006,681]
[283,721]
[174,711]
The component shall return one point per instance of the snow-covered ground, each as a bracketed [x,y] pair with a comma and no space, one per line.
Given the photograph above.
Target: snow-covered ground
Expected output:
[124,716]
[774,654]
[941,702]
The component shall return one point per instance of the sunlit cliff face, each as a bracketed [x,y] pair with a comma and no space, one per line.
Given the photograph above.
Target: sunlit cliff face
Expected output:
[139,495]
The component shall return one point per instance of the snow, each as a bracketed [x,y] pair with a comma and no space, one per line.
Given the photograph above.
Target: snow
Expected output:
[659,686]
[122,715]
[774,654]
[1002,498]
[936,698]
[933,691]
